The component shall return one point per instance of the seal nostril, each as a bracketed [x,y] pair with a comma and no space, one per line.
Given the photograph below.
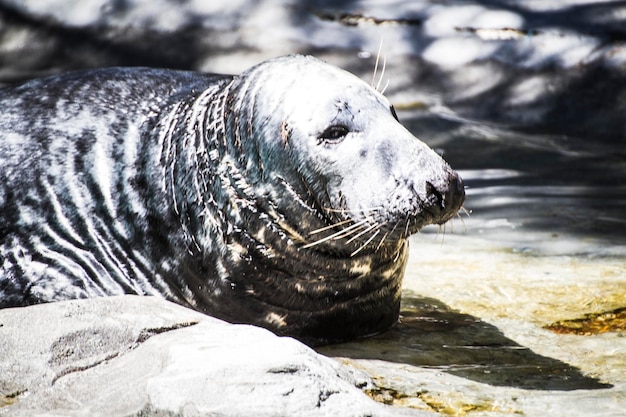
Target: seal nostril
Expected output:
[456,192]
[432,190]
[447,201]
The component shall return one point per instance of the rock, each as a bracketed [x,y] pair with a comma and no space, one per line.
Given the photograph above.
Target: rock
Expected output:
[143,356]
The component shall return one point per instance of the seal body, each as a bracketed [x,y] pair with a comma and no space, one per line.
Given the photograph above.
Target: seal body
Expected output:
[282,197]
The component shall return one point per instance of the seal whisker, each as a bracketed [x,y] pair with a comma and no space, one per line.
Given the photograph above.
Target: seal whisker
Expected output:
[365,210]
[385,87]
[395,259]
[351,230]
[441,230]
[394,227]
[382,240]
[382,72]
[461,218]
[338,235]
[366,230]
[365,244]
[380,47]
[332,226]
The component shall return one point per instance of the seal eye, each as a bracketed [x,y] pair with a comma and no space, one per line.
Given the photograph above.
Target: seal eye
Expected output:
[334,134]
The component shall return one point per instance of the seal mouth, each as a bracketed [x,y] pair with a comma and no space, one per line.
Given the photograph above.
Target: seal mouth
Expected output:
[438,204]
[378,227]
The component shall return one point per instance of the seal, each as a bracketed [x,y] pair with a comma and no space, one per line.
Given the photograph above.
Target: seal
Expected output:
[282,197]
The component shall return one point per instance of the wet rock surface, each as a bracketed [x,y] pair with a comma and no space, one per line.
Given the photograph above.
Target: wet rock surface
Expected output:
[139,356]
[526,99]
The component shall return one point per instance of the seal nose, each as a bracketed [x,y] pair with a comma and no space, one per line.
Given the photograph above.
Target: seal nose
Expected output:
[450,199]
[455,196]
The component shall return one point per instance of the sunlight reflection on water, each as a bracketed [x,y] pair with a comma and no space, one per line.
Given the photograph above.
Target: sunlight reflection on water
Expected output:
[522,188]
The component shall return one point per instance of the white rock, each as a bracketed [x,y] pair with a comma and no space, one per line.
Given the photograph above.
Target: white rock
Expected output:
[124,356]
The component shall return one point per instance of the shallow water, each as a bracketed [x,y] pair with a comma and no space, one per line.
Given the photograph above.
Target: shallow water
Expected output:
[534,193]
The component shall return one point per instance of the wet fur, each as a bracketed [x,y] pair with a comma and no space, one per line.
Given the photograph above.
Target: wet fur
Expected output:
[216,192]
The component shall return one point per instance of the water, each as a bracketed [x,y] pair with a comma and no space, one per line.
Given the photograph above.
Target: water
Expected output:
[548,195]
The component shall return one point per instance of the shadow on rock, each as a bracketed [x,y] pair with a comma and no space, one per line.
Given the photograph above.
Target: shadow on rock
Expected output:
[432,335]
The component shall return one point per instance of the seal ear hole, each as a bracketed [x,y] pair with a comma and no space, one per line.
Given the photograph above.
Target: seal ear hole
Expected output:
[393,113]
[334,134]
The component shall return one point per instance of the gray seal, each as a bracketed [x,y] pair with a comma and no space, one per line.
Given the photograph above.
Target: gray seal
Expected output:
[282,197]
